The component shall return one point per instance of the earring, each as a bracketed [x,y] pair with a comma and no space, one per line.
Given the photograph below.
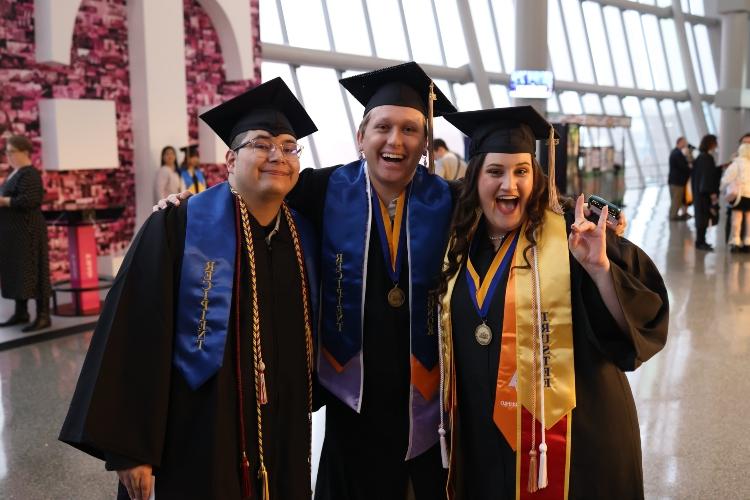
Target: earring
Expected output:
[361,154]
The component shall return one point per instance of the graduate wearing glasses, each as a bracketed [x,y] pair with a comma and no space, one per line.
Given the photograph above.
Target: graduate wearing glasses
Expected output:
[200,370]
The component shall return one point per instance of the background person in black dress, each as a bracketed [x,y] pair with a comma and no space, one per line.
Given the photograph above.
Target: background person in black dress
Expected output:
[705,183]
[24,255]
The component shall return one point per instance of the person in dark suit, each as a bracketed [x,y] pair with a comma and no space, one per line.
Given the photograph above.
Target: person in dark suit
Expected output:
[24,254]
[705,184]
[679,174]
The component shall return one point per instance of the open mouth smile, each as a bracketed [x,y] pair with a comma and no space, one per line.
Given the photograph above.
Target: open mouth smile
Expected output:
[394,158]
[506,203]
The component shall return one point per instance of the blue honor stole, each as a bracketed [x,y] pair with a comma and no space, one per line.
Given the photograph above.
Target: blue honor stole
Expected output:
[209,263]
[348,213]
[189,182]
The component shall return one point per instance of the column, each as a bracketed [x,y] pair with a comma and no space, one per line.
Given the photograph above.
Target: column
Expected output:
[531,44]
[156,38]
[734,95]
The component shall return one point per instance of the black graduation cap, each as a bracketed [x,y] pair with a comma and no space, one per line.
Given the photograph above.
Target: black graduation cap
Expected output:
[189,150]
[510,130]
[502,130]
[402,85]
[270,106]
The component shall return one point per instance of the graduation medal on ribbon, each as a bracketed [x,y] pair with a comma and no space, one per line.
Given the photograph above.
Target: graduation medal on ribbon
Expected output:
[481,293]
[392,241]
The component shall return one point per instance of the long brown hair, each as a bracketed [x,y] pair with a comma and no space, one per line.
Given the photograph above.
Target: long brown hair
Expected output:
[467,213]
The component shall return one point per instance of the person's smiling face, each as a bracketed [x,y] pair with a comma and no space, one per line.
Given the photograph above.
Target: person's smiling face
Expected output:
[504,187]
[393,141]
[262,167]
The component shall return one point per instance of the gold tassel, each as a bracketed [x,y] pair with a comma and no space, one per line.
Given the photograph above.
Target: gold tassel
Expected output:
[262,394]
[554,202]
[263,474]
[432,97]
[532,486]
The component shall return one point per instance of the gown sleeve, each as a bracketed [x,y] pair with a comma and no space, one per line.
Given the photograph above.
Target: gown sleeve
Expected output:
[643,297]
[119,408]
[309,194]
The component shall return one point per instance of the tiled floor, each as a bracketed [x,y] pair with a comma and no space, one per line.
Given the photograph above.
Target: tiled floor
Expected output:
[12,336]
[693,398]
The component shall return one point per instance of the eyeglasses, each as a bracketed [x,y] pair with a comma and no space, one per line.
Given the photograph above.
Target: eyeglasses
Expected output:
[265,147]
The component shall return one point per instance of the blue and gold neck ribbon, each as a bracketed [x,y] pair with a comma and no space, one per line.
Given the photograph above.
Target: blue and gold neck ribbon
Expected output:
[481,295]
[391,234]
[195,184]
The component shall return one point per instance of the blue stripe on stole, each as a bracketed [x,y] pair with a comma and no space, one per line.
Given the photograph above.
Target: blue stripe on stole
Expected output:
[344,245]
[208,266]
[430,209]
[188,179]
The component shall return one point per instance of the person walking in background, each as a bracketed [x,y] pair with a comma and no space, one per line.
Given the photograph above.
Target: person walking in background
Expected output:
[679,175]
[736,183]
[191,174]
[24,254]
[705,184]
[448,164]
[168,177]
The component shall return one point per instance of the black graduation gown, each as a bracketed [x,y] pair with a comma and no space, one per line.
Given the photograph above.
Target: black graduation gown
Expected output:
[605,442]
[363,454]
[24,251]
[131,406]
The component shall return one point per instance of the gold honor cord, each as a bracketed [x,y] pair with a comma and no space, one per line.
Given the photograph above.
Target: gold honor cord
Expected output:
[261,396]
[308,325]
[431,112]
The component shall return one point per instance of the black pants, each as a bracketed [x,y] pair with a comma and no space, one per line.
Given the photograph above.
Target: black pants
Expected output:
[368,464]
[702,207]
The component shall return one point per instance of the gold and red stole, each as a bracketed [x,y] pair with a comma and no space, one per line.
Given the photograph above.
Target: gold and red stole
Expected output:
[536,351]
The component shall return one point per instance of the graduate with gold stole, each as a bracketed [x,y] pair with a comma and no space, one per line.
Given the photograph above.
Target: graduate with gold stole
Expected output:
[542,312]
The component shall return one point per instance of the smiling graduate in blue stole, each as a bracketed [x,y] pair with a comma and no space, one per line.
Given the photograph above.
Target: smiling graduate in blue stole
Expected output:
[383,222]
[200,369]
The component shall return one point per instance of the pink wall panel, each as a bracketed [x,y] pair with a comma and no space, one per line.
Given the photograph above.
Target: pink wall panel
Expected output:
[206,79]
[99,70]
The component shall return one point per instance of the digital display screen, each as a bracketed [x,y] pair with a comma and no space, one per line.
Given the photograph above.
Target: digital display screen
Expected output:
[531,84]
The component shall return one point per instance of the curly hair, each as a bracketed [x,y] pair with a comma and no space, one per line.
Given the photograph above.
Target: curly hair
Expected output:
[467,214]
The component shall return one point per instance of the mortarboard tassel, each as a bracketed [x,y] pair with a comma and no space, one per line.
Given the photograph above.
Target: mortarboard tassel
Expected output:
[554,203]
[431,98]
[263,475]
[246,488]
[532,486]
